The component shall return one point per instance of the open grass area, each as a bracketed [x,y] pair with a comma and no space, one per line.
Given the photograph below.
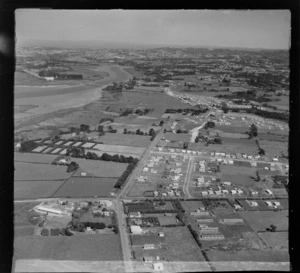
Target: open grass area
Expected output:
[248,255]
[87,187]
[99,168]
[260,220]
[177,137]
[124,139]
[35,189]
[119,149]
[34,158]
[34,171]
[274,148]
[86,247]
[276,240]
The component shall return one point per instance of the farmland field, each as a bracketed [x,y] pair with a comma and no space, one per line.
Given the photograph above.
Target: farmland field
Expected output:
[31,171]
[87,187]
[274,148]
[248,255]
[100,168]
[119,149]
[140,240]
[35,189]
[260,220]
[124,139]
[34,158]
[104,247]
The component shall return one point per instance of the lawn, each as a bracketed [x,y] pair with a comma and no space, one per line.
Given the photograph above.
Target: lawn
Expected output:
[100,168]
[119,149]
[124,139]
[238,175]
[276,240]
[34,158]
[31,171]
[87,187]
[86,247]
[35,189]
[260,220]
[193,205]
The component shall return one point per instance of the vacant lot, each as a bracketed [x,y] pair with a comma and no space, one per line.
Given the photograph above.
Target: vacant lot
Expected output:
[167,220]
[32,171]
[276,240]
[234,135]
[260,220]
[177,137]
[87,187]
[140,240]
[119,149]
[85,247]
[232,129]
[99,168]
[274,148]
[34,158]
[238,175]
[193,205]
[35,189]
[124,139]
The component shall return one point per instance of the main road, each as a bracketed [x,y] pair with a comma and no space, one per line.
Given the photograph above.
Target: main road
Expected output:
[127,257]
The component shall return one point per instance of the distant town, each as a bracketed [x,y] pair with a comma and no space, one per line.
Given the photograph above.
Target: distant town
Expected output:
[152,160]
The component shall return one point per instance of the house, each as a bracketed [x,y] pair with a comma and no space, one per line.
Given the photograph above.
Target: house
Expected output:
[145,169]
[148,259]
[160,149]
[136,229]
[149,246]
[268,192]
[158,266]
[252,203]
[135,214]
[268,203]
[277,204]
[233,192]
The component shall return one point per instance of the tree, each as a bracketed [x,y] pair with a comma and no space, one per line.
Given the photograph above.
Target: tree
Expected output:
[73,166]
[258,178]
[45,232]
[252,131]
[84,128]
[125,131]
[185,145]
[28,146]
[100,129]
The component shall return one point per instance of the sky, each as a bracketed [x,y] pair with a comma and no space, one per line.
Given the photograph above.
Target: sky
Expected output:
[268,29]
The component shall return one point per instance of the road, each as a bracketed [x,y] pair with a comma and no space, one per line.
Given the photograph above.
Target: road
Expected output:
[127,258]
[188,177]
[195,131]
[136,172]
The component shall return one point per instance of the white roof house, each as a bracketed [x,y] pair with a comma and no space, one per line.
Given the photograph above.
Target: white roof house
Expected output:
[136,229]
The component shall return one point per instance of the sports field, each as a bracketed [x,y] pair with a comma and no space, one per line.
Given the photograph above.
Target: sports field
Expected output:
[124,139]
[87,187]
[99,168]
[119,149]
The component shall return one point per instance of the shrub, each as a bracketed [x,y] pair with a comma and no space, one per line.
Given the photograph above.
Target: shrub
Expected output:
[45,232]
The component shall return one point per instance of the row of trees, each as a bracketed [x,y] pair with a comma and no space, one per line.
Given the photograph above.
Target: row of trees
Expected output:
[56,232]
[193,112]
[124,176]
